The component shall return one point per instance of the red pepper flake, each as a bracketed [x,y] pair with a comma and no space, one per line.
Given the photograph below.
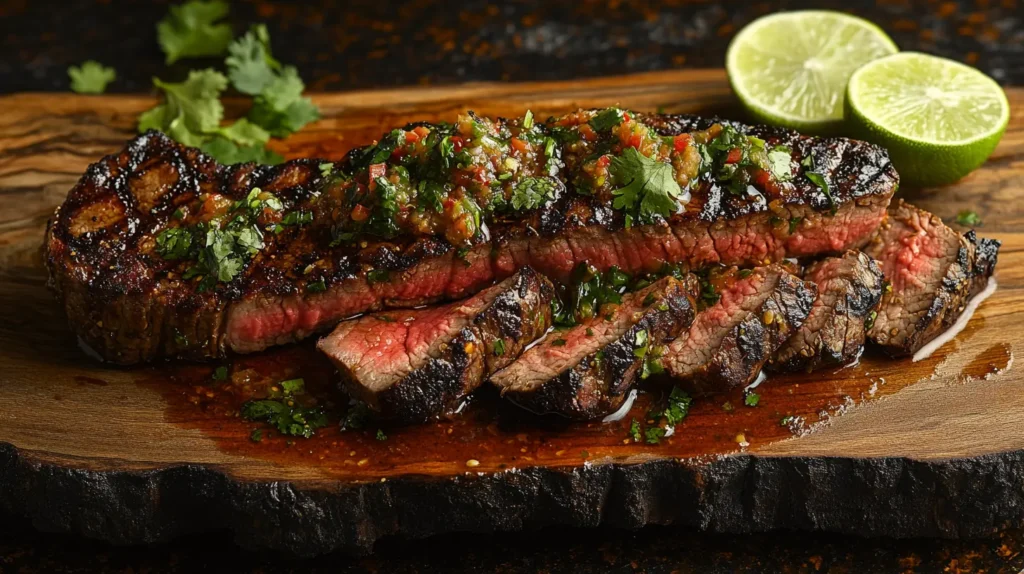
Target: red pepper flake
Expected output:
[360,213]
[520,145]
[735,155]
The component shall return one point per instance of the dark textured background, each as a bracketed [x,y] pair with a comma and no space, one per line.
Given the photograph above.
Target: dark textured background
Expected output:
[374,43]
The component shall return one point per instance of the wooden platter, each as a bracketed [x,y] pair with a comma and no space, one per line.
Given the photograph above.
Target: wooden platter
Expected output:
[932,448]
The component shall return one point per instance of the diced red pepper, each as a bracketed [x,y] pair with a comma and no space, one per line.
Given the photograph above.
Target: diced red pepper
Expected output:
[519,145]
[761,178]
[625,116]
[448,203]
[735,155]
[360,213]
[587,132]
[634,141]
[681,142]
[457,143]
[412,137]
[421,131]
[603,161]
[376,170]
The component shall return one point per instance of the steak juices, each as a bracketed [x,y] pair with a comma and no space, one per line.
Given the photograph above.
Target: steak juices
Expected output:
[159,251]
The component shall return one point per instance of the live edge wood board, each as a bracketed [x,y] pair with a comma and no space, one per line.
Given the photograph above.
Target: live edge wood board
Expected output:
[933,448]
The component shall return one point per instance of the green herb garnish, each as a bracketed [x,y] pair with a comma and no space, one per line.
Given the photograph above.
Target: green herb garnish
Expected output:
[751,399]
[499,348]
[634,430]
[220,373]
[191,30]
[318,286]
[532,192]
[607,119]
[91,77]
[283,413]
[648,187]
[819,180]
[968,218]
[381,436]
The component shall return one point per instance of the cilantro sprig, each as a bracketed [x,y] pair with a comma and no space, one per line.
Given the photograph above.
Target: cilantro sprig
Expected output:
[648,188]
[192,30]
[282,411]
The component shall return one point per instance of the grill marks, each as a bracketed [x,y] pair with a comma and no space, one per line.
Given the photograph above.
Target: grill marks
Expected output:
[420,364]
[121,301]
[849,289]
[933,271]
[587,371]
[731,341]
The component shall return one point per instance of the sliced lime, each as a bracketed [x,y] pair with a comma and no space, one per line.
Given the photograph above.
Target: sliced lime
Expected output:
[791,68]
[938,118]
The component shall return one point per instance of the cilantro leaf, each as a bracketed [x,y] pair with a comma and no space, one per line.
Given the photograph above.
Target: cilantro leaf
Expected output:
[751,399]
[191,108]
[780,163]
[251,68]
[607,119]
[191,30]
[648,186]
[819,180]
[634,430]
[228,152]
[532,192]
[91,77]
[968,218]
[280,107]
[653,435]
[244,132]
[174,243]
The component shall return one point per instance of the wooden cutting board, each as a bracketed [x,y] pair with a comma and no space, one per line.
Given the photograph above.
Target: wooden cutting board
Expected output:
[933,448]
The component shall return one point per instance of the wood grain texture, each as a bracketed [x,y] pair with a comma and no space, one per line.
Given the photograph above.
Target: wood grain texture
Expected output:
[140,455]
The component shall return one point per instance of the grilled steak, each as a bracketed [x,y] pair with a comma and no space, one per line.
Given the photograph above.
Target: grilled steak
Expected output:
[849,289]
[932,270]
[586,371]
[159,251]
[414,365]
[730,341]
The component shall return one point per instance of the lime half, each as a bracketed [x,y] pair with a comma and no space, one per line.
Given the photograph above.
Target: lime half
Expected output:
[791,68]
[938,118]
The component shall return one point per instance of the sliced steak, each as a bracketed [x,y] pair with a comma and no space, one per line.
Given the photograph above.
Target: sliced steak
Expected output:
[130,303]
[586,371]
[932,271]
[849,289]
[731,340]
[416,365]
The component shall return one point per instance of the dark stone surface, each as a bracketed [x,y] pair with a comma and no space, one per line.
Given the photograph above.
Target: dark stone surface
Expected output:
[375,43]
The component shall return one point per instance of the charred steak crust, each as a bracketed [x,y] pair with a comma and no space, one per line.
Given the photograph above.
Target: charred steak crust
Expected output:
[730,342]
[429,378]
[129,305]
[849,289]
[597,369]
[933,271]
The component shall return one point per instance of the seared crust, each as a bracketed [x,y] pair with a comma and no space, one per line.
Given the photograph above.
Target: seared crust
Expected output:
[129,305]
[849,289]
[454,365]
[594,382]
[933,273]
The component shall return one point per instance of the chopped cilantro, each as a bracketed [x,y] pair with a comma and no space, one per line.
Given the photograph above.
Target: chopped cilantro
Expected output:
[297,218]
[653,435]
[174,243]
[648,187]
[283,413]
[794,223]
[532,192]
[819,180]
[191,30]
[559,343]
[91,77]
[641,344]
[377,276]
[325,169]
[381,436]
[220,373]
[751,399]
[968,218]
[676,408]
[787,420]
[589,291]
[607,119]
[499,348]
[251,68]
[318,286]
[256,435]
[634,430]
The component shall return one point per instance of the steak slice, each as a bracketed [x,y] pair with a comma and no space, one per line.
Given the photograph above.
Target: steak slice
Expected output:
[586,371]
[932,271]
[730,341]
[849,289]
[129,303]
[416,365]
